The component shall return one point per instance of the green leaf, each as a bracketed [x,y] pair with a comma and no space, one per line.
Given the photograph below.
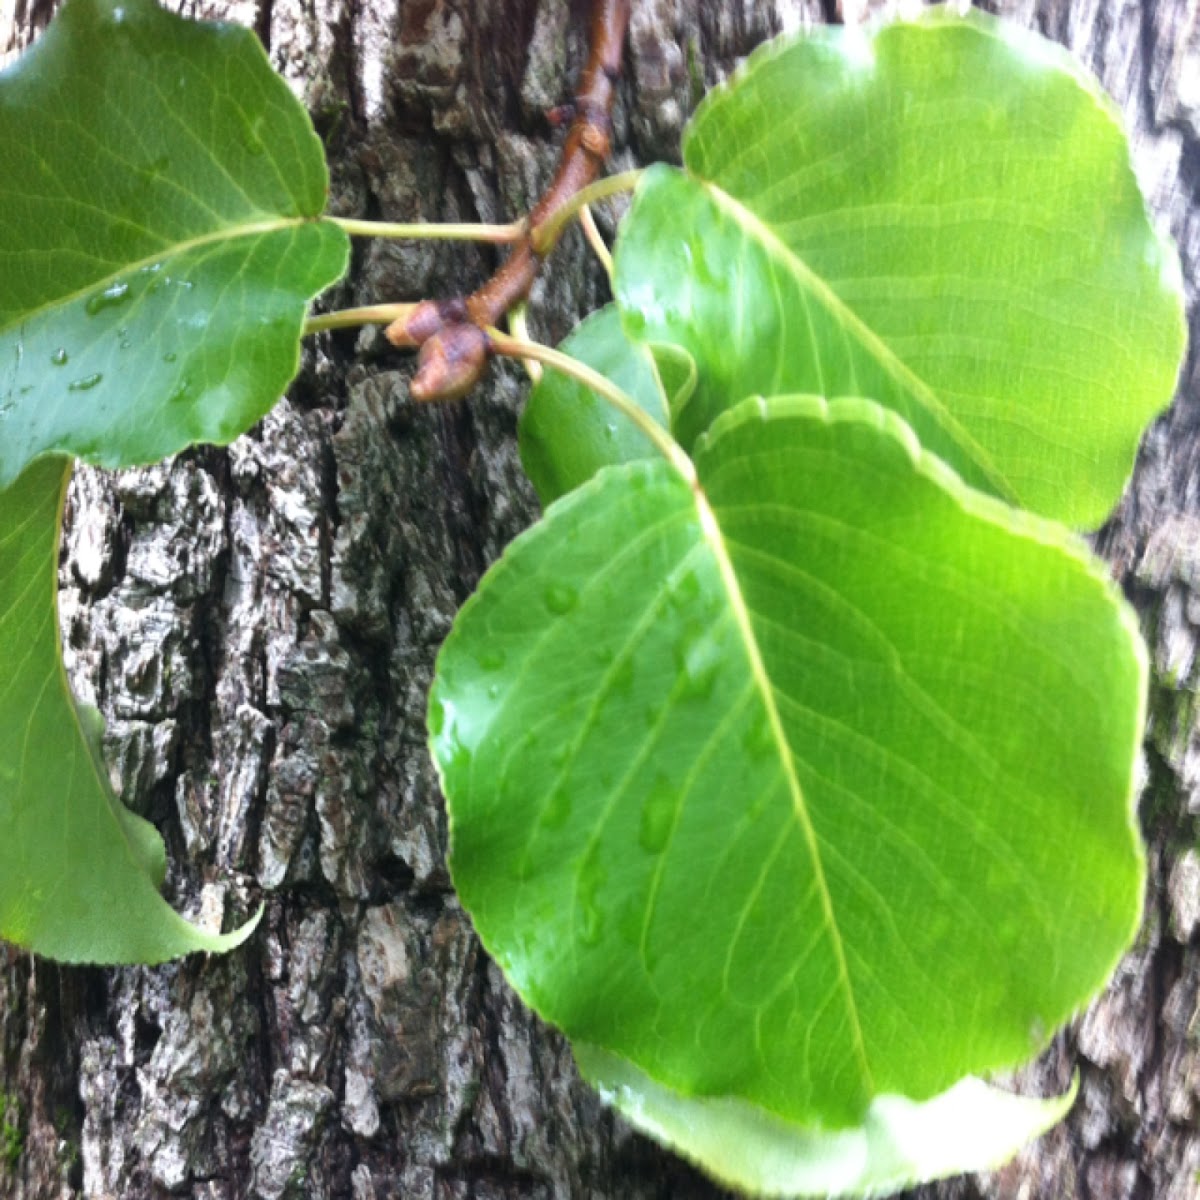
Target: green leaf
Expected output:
[968,1128]
[763,784]
[78,871]
[160,188]
[567,432]
[940,216]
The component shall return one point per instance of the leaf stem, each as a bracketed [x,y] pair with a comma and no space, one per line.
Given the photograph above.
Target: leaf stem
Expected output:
[544,235]
[453,347]
[348,318]
[519,327]
[663,442]
[599,248]
[455,232]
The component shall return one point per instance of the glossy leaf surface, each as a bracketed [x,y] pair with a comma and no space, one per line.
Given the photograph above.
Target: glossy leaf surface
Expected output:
[160,188]
[968,1128]
[567,432]
[764,787]
[79,873]
[940,216]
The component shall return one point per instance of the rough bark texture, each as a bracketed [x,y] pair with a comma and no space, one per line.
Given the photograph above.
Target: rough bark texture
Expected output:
[259,624]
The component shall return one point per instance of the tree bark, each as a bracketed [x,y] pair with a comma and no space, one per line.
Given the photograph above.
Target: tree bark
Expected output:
[258,624]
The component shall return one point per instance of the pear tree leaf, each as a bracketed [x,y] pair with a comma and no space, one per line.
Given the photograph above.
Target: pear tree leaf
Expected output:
[939,215]
[970,1127]
[79,872]
[567,432]
[162,192]
[761,783]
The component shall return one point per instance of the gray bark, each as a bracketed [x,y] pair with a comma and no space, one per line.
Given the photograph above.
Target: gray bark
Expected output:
[258,624]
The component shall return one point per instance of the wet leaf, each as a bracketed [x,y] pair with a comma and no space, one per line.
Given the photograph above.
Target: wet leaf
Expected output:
[79,872]
[762,785]
[940,216]
[161,190]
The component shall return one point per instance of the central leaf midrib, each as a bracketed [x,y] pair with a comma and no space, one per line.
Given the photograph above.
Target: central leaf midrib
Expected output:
[711,531]
[922,392]
[229,234]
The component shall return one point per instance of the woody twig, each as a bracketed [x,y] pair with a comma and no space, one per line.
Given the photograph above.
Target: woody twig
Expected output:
[452,334]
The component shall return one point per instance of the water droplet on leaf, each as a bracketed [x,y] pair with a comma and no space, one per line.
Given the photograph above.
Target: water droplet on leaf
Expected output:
[557,810]
[110,297]
[698,657]
[591,879]
[86,383]
[658,816]
[524,867]
[561,598]
[60,358]
[621,680]
[685,590]
[760,738]
[250,136]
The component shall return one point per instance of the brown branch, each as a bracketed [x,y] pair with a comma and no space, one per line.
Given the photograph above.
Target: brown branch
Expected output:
[450,333]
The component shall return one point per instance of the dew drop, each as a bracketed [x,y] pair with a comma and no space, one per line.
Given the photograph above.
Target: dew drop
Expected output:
[60,358]
[493,691]
[86,383]
[250,136]
[610,431]
[592,926]
[621,680]
[561,598]
[698,657]
[112,296]
[6,408]
[557,809]
[180,394]
[685,590]
[591,879]
[758,806]
[635,322]
[170,356]
[524,867]
[760,738]
[658,816]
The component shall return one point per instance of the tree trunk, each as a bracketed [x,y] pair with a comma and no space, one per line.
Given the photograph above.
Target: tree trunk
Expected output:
[258,624]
